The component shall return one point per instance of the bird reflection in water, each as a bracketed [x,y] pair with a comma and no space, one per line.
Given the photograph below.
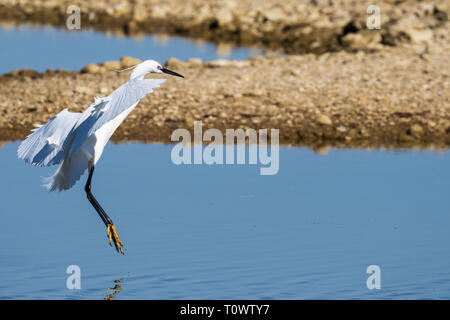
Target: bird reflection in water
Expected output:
[114,291]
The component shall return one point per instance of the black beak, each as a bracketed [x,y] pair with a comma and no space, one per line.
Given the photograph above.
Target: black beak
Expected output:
[171,72]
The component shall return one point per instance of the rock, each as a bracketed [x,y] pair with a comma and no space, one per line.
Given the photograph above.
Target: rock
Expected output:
[255,93]
[140,14]
[367,39]
[104,90]
[420,36]
[102,69]
[160,12]
[241,63]
[416,130]
[195,62]
[218,63]
[272,109]
[224,16]
[62,71]
[14,73]
[364,133]
[127,62]
[174,63]
[405,138]
[413,28]
[122,9]
[84,89]
[427,8]
[28,73]
[112,65]
[324,120]
[109,11]
[275,14]
[189,121]
[91,68]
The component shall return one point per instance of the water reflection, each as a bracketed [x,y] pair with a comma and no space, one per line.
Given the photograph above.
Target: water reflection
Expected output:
[114,291]
[41,47]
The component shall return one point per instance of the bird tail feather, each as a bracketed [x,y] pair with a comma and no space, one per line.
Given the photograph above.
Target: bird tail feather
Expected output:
[68,173]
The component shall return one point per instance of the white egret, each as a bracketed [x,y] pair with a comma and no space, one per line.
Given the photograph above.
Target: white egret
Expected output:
[75,141]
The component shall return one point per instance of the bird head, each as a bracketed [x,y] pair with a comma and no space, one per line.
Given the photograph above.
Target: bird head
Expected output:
[150,66]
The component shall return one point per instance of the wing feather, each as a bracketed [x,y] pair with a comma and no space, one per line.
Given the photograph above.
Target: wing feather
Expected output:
[110,107]
[44,147]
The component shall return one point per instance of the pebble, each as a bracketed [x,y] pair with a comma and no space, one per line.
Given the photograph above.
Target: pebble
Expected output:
[416,130]
[324,120]
[112,65]
[91,68]
[127,62]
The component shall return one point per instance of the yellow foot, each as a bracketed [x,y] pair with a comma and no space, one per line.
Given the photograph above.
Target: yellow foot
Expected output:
[114,237]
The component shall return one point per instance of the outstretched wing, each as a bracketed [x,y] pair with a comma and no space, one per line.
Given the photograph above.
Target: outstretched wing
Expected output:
[110,107]
[44,147]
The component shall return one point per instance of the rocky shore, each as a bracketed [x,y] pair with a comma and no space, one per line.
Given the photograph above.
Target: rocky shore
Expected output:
[296,26]
[392,98]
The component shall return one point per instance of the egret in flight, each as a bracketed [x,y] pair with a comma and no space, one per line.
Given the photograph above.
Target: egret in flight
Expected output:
[75,141]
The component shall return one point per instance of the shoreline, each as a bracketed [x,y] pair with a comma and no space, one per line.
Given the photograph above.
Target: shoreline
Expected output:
[293,26]
[394,98]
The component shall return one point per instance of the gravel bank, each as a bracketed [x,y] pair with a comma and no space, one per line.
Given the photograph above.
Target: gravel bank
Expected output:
[297,26]
[390,98]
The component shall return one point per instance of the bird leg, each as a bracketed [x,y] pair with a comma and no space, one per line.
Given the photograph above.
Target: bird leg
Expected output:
[110,228]
[113,236]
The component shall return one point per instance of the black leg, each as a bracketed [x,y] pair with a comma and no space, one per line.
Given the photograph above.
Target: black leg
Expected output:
[106,220]
[111,230]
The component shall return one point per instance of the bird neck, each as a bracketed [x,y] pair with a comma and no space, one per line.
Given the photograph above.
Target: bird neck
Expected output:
[139,72]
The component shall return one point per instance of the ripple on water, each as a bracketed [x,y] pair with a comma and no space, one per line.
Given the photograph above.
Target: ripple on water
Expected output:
[309,232]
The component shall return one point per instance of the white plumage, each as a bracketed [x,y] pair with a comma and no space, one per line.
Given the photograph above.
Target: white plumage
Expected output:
[75,141]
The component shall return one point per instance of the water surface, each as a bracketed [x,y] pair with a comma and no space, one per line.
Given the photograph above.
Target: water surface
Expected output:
[218,232]
[226,232]
[42,47]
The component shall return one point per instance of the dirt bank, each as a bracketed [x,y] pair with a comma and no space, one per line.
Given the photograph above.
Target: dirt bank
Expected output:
[389,98]
[297,26]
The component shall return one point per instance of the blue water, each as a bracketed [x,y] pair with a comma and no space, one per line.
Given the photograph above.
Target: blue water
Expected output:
[42,47]
[223,231]
[226,232]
